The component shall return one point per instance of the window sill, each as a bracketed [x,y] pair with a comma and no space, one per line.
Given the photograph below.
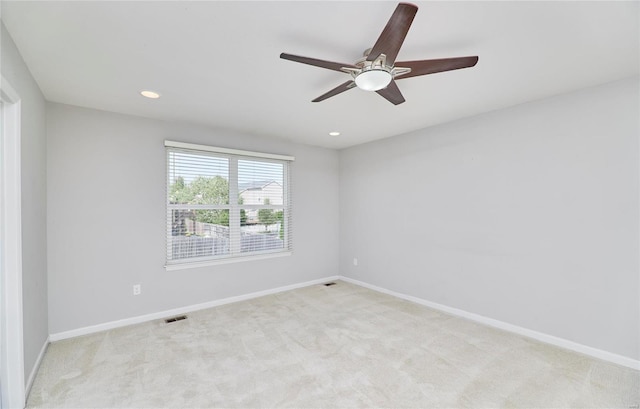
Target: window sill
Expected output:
[186,265]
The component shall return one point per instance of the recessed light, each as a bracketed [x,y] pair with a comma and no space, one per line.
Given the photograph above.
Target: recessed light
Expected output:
[150,94]
[334,133]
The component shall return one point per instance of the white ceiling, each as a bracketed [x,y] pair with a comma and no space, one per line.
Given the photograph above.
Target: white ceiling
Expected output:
[217,63]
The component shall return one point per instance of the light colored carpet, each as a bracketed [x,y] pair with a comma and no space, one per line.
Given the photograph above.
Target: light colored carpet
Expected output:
[339,346]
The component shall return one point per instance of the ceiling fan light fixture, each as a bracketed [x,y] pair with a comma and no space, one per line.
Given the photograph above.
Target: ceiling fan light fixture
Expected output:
[373,80]
[150,94]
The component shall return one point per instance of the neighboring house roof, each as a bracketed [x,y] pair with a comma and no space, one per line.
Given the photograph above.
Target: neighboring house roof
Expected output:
[256,185]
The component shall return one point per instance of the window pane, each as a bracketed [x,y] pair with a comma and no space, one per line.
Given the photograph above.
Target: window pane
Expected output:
[199,233]
[204,222]
[198,179]
[260,183]
[261,229]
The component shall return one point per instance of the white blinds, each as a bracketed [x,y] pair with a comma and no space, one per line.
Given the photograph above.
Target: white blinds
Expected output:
[224,205]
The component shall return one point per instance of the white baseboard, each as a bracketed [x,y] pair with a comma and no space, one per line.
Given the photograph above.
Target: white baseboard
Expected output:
[177,311]
[36,366]
[539,336]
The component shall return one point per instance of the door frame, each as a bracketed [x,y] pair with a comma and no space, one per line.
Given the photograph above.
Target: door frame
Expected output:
[12,385]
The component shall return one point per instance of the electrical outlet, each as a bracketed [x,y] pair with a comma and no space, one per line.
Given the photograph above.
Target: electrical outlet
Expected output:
[355,261]
[137,289]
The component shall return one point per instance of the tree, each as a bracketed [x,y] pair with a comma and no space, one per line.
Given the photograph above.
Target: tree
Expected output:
[177,191]
[203,190]
[243,213]
[280,218]
[266,216]
[207,190]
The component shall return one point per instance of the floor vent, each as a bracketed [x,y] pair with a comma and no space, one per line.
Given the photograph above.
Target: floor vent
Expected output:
[174,319]
[329,284]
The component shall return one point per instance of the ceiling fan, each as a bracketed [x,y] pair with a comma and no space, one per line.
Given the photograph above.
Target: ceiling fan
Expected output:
[377,70]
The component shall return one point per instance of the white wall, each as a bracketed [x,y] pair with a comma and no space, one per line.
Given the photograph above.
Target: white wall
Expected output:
[527,215]
[106,215]
[34,226]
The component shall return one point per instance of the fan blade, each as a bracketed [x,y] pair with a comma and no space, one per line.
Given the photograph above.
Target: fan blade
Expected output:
[392,93]
[425,67]
[330,65]
[393,35]
[337,90]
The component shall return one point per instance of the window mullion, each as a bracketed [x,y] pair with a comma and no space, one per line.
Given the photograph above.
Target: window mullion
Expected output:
[234,211]
[287,208]
[188,206]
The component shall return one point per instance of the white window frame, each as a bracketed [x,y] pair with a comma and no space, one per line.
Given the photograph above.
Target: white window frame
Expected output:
[233,155]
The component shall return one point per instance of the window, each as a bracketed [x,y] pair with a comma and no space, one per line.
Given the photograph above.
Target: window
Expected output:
[225,204]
